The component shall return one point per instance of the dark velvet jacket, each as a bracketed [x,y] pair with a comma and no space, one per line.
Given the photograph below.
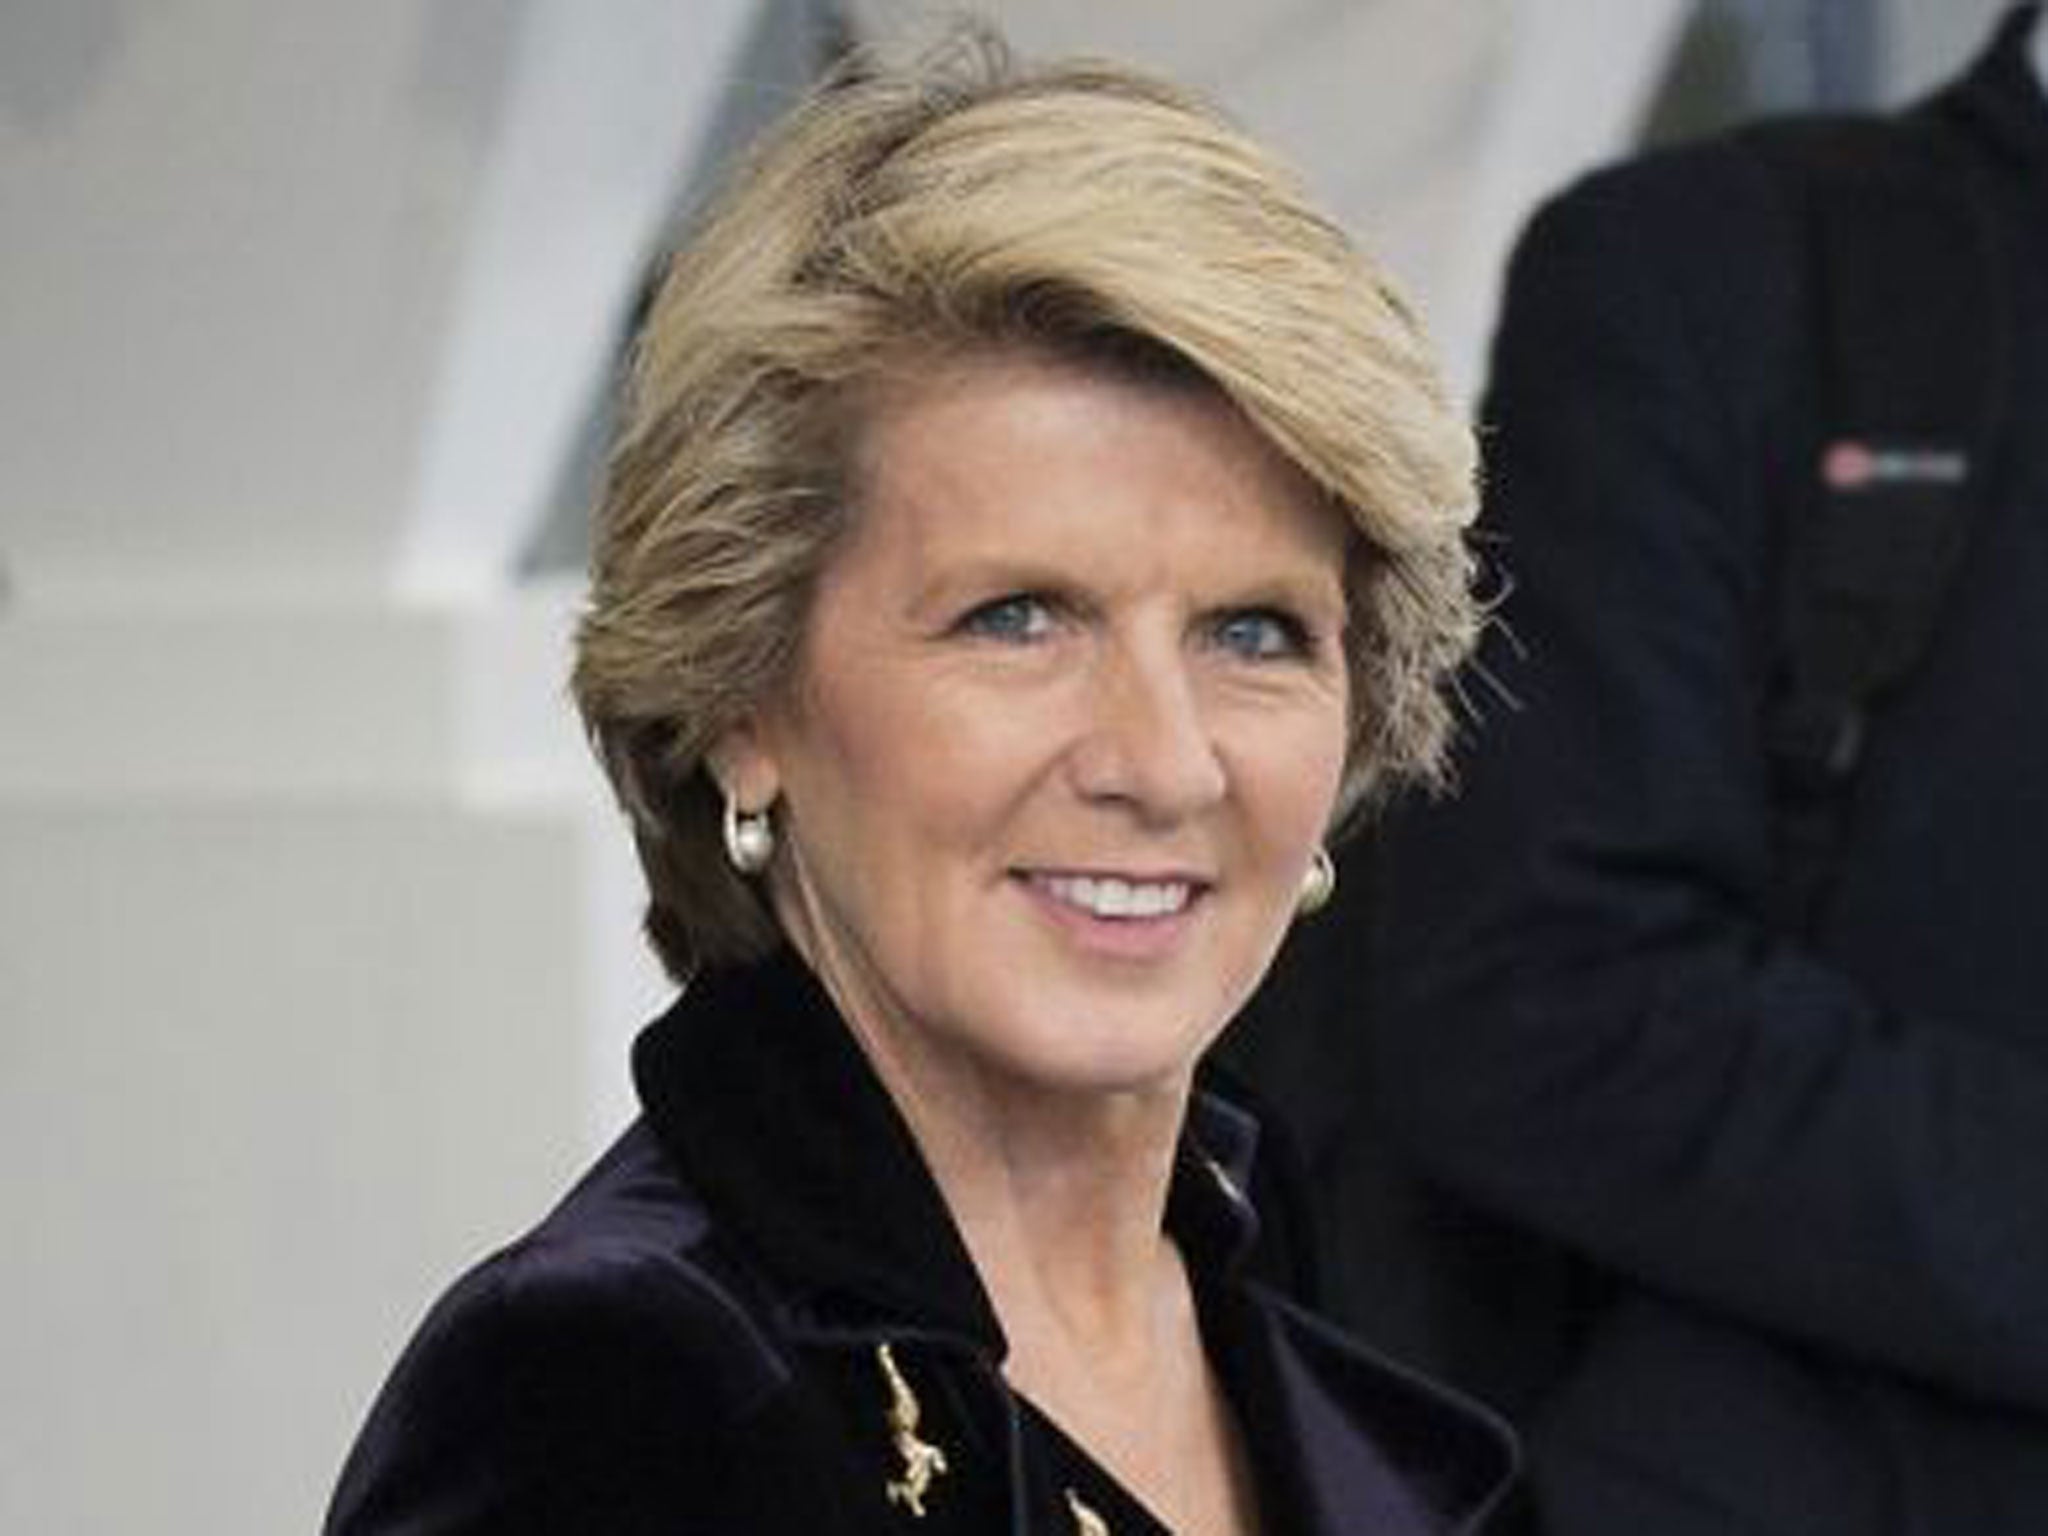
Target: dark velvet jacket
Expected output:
[1806,1173]
[689,1343]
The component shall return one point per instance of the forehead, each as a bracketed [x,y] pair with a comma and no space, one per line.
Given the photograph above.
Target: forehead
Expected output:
[997,445]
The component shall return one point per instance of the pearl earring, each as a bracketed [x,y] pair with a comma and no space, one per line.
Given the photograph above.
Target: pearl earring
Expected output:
[1318,884]
[749,837]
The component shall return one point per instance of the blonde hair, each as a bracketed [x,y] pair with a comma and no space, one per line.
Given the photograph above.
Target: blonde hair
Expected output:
[964,202]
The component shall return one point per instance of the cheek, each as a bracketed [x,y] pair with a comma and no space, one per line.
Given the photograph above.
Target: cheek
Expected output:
[910,773]
[1293,777]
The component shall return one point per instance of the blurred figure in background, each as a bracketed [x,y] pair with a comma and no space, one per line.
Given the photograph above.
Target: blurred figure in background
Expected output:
[1715,1002]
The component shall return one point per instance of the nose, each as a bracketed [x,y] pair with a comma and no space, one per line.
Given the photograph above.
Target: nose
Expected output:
[1147,741]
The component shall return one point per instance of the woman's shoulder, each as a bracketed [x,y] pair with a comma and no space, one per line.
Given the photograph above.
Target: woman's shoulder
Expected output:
[605,1355]
[627,1273]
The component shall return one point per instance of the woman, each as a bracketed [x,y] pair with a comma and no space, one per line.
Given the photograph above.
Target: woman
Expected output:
[1032,531]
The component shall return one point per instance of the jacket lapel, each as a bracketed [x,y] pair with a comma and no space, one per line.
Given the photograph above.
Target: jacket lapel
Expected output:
[1350,1444]
[764,1100]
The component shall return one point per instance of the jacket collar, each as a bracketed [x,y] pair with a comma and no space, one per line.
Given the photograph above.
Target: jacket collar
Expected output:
[764,1099]
[758,1091]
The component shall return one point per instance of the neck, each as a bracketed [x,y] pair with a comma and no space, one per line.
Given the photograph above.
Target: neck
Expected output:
[1059,1191]
[1064,1215]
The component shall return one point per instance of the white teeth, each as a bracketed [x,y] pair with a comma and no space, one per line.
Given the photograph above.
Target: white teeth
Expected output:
[1109,897]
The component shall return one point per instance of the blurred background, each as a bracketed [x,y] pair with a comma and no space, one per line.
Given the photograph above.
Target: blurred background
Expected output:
[318,940]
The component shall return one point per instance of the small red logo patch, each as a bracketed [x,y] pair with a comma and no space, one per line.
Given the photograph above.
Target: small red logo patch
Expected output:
[1846,466]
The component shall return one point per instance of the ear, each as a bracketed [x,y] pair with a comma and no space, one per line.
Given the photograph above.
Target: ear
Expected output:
[744,767]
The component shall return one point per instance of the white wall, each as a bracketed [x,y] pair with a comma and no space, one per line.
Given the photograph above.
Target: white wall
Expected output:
[317,947]
[1927,41]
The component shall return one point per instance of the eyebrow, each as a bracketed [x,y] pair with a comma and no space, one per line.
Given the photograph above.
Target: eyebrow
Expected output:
[993,574]
[1319,593]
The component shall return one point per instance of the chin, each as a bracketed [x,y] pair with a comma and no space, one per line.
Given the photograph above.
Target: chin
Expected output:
[1116,1052]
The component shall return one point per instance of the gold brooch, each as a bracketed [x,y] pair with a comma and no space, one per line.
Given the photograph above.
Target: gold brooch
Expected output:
[1086,1521]
[922,1461]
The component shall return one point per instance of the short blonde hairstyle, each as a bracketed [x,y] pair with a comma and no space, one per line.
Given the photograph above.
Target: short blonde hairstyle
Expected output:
[967,203]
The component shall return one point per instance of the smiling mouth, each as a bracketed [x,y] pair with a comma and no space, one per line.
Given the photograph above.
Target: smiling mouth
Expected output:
[1118,899]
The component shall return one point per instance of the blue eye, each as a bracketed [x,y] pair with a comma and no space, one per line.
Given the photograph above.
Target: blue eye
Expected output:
[1019,618]
[1262,634]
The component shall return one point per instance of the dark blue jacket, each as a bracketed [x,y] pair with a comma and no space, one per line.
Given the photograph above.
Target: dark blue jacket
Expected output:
[689,1344]
[1807,1175]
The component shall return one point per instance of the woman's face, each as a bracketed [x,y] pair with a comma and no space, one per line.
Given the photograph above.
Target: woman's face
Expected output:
[1068,726]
